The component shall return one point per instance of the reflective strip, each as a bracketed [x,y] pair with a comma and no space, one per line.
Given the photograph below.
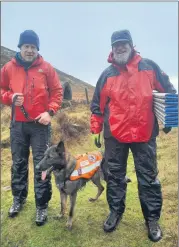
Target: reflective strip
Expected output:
[74,173]
[87,169]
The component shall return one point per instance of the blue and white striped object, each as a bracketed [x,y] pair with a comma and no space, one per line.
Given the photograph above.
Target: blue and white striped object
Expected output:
[166,108]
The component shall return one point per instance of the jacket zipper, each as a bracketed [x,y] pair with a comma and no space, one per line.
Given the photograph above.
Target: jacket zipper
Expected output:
[26,71]
[26,85]
[32,90]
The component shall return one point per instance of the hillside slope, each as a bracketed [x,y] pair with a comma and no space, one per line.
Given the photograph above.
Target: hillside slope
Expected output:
[78,86]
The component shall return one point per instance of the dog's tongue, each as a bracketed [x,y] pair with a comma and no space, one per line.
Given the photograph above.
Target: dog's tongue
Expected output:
[44,174]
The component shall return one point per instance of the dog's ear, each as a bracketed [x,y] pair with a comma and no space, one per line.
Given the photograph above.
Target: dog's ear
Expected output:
[60,147]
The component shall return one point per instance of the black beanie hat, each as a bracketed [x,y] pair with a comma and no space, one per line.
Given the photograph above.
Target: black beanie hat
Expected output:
[29,37]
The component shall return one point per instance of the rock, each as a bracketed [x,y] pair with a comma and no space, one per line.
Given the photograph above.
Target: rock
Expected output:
[6,188]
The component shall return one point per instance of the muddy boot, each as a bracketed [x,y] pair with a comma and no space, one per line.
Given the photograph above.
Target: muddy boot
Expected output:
[154,231]
[111,222]
[16,207]
[41,216]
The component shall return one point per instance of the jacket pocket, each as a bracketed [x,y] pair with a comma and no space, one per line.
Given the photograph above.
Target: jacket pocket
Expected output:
[39,91]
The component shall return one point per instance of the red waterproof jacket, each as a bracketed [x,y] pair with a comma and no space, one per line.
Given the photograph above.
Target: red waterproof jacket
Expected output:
[40,86]
[123,99]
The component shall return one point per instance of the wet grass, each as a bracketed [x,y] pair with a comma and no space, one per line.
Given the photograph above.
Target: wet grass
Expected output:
[87,227]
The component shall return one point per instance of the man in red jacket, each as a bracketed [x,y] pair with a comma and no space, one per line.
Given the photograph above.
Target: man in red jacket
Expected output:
[32,87]
[123,103]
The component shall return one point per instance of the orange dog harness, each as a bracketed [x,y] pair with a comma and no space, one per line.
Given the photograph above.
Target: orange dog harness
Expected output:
[86,165]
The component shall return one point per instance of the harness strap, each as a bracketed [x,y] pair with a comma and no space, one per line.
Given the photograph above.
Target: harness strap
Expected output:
[85,170]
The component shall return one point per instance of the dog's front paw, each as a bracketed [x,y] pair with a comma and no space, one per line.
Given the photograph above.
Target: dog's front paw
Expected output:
[59,217]
[69,226]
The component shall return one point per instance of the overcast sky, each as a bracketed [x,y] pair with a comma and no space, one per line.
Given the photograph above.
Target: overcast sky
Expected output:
[75,37]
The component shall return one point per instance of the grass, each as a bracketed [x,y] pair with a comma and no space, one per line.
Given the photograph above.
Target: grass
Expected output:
[87,227]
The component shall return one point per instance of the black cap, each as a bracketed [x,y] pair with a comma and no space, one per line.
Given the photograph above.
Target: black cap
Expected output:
[123,35]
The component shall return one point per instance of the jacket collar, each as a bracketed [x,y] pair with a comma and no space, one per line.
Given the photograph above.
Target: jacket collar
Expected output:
[131,66]
[19,62]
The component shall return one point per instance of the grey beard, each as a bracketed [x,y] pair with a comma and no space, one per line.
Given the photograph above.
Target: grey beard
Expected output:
[122,59]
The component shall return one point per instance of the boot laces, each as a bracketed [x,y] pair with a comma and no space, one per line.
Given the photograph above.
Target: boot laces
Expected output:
[41,213]
[111,218]
[153,225]
[15,205]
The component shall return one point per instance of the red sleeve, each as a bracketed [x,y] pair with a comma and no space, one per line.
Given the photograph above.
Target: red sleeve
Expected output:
[96,124]
[6,93]
[55,90]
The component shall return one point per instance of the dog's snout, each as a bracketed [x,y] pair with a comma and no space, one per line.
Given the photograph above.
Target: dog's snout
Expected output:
[40,164]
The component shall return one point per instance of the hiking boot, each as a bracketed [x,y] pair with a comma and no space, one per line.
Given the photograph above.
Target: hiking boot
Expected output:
[111,222]
[154,231]
[41,216]
[15,208]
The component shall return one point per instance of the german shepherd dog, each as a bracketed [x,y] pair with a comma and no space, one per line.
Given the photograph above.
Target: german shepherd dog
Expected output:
[62,164]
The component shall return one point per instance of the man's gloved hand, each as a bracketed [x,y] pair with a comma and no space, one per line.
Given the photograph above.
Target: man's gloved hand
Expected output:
[96,138]
[166,130]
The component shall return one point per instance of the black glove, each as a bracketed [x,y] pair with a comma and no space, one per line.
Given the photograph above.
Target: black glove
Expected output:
[166,130]
[96,138]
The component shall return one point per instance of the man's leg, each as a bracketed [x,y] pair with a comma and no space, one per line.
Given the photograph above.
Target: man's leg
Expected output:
[19,171]
[116,155]
[149,187]
[40,135]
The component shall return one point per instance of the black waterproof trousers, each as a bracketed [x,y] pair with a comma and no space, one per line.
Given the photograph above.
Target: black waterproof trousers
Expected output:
[149,188]
[23,135]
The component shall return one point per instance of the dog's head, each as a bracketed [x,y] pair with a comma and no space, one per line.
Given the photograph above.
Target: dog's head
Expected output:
[54,159]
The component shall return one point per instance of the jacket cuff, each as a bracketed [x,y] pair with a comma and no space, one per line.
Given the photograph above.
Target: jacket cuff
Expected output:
[96,124]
